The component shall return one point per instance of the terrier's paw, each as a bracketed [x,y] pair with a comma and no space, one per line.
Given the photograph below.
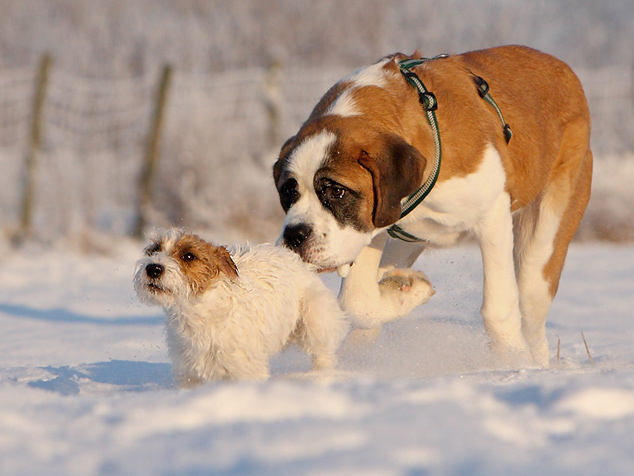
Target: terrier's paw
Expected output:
[411,288]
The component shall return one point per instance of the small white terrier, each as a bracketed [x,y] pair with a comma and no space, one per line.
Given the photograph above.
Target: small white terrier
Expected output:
[228,312]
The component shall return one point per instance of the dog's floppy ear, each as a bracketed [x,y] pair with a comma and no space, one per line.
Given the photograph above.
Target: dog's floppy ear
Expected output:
[397,171]
[277,170]
[279,164]
[226,264]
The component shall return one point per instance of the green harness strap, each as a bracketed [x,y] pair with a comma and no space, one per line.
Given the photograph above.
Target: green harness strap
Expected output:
[429,103]
[483,91]
[428,100]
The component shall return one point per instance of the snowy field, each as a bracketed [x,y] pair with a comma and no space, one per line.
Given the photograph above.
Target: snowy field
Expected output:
[85,383]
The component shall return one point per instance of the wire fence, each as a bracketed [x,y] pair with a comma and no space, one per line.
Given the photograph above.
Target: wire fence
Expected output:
[220,136]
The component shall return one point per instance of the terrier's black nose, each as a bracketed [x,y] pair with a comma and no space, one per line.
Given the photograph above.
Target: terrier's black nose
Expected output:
[296,235]
[154,270]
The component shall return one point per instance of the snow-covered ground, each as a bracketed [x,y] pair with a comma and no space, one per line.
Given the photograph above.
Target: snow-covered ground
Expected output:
[85,386]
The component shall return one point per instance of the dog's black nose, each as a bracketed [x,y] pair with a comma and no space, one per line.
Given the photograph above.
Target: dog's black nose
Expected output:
[154,270]
[296,235]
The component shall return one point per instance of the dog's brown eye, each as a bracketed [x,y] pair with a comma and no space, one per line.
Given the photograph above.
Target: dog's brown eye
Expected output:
[335,192]
[188,257]
[330,194]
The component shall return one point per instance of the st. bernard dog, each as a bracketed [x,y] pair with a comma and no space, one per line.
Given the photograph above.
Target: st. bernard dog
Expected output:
[368,145]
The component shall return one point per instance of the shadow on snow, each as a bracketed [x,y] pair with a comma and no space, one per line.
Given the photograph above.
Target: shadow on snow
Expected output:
[127,375]
[66,316]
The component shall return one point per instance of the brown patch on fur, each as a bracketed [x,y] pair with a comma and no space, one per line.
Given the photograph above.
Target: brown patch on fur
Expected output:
[203,263]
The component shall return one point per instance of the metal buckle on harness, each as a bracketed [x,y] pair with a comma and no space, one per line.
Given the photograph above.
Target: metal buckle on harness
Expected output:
[483,86]
[483,91]
[508,133]
[428,101]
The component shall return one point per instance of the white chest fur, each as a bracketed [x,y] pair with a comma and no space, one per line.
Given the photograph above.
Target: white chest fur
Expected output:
[455,206]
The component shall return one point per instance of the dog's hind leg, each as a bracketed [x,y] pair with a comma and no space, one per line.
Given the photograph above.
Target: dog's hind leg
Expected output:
[500,305]
[543,232]
[322,326]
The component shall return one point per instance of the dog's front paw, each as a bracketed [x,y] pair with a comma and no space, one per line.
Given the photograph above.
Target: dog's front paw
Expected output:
[371,304]
[409,287]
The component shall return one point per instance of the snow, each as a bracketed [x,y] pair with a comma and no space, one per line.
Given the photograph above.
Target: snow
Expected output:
[86,389]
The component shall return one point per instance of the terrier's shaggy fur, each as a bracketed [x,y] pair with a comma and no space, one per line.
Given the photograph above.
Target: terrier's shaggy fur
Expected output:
[229,311]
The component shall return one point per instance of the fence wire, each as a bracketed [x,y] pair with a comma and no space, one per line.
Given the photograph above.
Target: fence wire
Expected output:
[221,134]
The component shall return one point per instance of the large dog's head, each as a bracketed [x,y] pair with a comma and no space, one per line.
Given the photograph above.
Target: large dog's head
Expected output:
[343,175]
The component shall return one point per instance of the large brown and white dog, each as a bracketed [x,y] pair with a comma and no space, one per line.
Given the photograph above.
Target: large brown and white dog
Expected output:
[367,145]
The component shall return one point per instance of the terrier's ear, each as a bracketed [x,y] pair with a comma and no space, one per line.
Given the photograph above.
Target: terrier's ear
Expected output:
[226,264]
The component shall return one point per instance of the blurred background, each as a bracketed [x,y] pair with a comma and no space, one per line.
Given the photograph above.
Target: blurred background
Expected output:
[117,116]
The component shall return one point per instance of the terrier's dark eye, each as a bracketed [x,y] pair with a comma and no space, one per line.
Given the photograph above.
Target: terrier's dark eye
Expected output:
[153,248]
[188,257]
[289,194]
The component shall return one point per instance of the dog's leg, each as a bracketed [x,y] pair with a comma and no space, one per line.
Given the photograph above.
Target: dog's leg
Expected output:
[534,230]
[400,254]
[545,230]
[372,296]
[251,368]
[322,326]
[500,306]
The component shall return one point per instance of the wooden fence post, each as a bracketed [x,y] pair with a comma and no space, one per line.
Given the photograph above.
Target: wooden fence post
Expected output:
[151,156]
[273,104]
[35,142]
